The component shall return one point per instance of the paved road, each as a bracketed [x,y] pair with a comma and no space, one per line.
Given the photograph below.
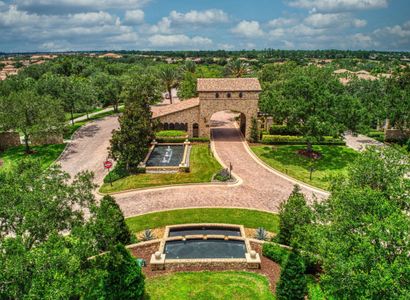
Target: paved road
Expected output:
[360,142]
[88,148]
[261,189]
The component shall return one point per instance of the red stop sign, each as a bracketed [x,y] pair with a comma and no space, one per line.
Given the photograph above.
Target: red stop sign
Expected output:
[107,164]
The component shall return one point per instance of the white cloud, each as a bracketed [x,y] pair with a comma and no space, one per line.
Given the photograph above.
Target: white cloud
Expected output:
[282,22]
[163,26]
[85,4]
[134,16]
[338,5]
[199,17]
[224,46]
[178,40]
[321,20]
[398,31]
[249,29]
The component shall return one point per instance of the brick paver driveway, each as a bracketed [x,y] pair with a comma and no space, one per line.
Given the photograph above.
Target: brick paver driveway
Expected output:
[261,189]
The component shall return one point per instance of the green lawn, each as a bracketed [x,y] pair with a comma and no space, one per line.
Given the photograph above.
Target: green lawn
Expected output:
[46,154]
[203,167]
[285,158]
[209,286]
[248,218]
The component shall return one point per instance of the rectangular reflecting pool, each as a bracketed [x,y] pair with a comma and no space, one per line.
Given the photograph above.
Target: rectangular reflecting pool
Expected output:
[208,230]
[166,156]
[211,248]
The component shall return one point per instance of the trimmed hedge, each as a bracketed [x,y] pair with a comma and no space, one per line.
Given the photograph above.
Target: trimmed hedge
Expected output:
[298,140]
[276,253]
[377,135]
[171,133]
[282,130]
[181,140]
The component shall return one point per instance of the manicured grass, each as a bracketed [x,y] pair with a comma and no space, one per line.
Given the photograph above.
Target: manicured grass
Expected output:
[333,161]
[46,154]
[171,133]
[208,286]
[203,167]
[248,218]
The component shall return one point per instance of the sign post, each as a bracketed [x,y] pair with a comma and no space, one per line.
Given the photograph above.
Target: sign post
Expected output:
[108,165]
[230,170]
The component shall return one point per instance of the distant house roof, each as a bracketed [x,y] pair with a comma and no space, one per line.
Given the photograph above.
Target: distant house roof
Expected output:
[228,85]
[110,55]
[163,110]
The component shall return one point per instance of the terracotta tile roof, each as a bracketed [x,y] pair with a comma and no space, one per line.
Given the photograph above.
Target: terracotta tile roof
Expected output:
[228,85]
[163,110]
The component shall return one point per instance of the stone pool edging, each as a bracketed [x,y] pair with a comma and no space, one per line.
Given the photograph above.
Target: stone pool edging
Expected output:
[159,261]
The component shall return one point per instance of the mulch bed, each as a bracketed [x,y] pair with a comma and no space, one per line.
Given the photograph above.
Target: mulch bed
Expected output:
[268,268]
[309,154]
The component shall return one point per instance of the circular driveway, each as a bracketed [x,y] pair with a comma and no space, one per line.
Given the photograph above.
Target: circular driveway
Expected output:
[260,187]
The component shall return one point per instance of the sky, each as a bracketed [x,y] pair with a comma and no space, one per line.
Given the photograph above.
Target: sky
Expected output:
[86,25]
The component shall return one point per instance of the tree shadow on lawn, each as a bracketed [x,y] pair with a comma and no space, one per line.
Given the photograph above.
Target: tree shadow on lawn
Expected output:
[332,158]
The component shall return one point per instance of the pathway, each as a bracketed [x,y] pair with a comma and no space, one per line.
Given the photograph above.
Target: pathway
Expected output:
[360,142]
[88,148]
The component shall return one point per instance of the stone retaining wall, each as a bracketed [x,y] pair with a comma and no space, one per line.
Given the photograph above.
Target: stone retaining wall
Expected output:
[8,140]
[394,135]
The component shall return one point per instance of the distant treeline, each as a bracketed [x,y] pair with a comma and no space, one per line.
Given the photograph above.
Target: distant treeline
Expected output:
[275,54]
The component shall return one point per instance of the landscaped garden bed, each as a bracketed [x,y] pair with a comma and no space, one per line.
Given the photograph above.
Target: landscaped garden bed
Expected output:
[202,163]
[333,161]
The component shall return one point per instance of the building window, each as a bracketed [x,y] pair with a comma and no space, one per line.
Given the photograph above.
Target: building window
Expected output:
[217,95]
[240,95]
[228,95]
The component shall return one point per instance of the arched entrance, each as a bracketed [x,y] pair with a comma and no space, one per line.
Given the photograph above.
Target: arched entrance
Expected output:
[233,123]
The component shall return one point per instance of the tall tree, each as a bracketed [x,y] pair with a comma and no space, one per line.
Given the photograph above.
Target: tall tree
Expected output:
[108,88]
[31,114]
[170,79]
[108,225]
[124,279]
[129,144]
[292,284]
[293,215]
[361,232]
[236,68]
[307,102]
[187,88]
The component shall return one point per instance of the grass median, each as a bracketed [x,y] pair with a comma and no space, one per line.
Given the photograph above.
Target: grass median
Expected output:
[203,167]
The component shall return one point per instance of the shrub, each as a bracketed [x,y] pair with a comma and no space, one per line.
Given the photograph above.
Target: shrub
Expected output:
[181,139]
[298,140]
[275,252]
[377,135]
[147,235]
[171,133]
[222,175]
[118,172]
[282,130]
[292,284]
[254,131]
[261,234]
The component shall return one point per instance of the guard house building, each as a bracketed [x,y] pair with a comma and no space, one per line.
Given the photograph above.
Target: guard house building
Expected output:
[194,115]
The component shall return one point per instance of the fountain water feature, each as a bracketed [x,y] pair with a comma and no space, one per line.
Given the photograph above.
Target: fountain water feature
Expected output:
[167,156]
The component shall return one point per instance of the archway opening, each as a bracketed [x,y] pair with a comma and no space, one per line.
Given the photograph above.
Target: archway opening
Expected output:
[225,124]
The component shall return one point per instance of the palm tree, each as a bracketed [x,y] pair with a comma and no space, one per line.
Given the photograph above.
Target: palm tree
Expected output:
[236,68]
[190,66]
[170,79]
